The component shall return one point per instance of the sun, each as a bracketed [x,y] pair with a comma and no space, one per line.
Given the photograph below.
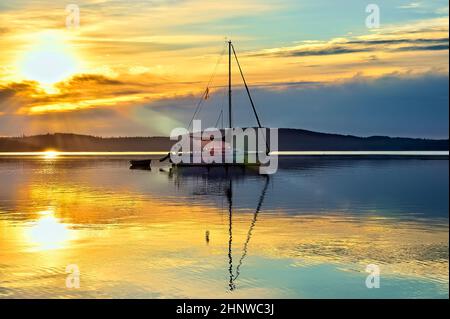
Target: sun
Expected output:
[50,154]
[49,59]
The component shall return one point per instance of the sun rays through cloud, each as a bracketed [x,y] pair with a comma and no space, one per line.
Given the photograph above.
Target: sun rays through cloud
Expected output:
[130,58]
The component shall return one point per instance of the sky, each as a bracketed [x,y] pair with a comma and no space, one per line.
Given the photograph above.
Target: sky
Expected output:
[139,68]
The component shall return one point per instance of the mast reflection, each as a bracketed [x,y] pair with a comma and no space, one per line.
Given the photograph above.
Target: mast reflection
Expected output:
[219,182]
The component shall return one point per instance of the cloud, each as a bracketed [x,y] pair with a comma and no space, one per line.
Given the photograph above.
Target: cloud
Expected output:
[95,121]
[438,47]
[14,95]
[442,10]
[395,105]
[90,79]
[79,92]
[412,5]
[344,46]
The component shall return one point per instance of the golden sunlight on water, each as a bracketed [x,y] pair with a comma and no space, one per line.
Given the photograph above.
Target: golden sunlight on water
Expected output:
[169,255]
[143,234]
[47,232]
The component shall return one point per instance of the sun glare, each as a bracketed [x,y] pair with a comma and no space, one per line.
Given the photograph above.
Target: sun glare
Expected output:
[48,232]
[48,60]
[50,154]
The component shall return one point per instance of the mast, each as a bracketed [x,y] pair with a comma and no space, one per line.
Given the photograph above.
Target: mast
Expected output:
[229,84]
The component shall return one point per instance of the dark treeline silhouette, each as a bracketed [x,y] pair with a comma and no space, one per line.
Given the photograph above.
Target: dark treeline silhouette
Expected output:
[83,143]
[289,140]
[303,140]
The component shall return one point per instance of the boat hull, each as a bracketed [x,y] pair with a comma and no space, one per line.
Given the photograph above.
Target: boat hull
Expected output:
[141,164]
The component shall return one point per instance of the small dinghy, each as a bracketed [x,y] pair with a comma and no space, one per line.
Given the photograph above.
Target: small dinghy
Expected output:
[147,163]
[141,164]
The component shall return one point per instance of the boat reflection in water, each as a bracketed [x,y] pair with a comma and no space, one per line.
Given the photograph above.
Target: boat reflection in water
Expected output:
[218,181]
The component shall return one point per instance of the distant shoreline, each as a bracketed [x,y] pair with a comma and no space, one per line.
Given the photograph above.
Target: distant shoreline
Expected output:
[290,140]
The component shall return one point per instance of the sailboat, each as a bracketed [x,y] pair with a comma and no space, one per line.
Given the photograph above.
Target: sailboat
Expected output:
[221,147]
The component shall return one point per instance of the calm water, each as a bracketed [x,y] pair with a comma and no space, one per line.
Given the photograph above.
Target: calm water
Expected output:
[308,231]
